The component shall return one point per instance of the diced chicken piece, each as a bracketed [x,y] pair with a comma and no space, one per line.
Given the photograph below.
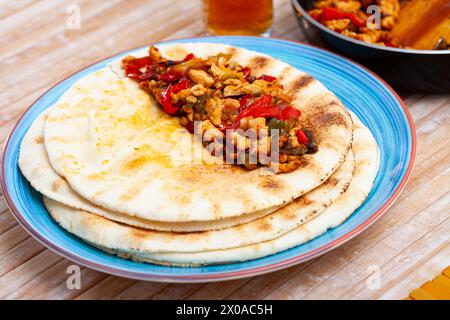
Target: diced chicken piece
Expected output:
[216,116]
[211,104]
[257,123]
[390,7]
[349,6]
[267,87]
[198,90]
[191,99]
[243,124]
[370,36]
[200,77]
[388,22]
[175,97]
[232,91]
[218,94]
[241,142]
[231,103]
[216,71]
[189,112]
[253,89]
[338,25]
[154,53]
[351,34]
[293,141]
[187,108]
[230,108]
[209,131]
[223,60]
[389,11]
[234,82]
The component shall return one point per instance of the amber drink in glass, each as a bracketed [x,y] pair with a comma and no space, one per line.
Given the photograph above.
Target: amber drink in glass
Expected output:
[238,17]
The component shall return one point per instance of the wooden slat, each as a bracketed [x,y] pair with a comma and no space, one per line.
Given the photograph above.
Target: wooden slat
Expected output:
[46,281]
[176,291]
[12,238]
[140,290]
[422,272]
[350,261]
[89,278]
[6,222]
[27,271]
[410,244]
[338,259]
[108,288]
[408,260]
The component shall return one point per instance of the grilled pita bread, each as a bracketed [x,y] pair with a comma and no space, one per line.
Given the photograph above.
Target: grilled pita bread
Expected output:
[116,149]
[34,165]
[365,150]
[118,236]
[36,168]
[366,156]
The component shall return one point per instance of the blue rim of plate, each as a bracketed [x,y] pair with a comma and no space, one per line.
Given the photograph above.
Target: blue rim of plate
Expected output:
[363,92]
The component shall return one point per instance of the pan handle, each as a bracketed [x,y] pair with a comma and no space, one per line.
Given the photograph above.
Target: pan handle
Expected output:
[297,8]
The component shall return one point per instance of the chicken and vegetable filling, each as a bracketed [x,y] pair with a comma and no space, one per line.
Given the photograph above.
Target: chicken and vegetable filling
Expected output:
[225,102]
[349,17]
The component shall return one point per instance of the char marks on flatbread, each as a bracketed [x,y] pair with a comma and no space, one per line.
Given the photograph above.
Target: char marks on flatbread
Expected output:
[116,149]
[85,225]
[104,232]
[36,168]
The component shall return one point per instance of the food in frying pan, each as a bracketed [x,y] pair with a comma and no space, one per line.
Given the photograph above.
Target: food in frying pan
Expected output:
[417,24]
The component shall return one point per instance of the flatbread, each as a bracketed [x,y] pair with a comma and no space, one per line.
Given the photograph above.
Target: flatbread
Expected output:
[118,236]
[116,148]
[36,168]
[34,165]
[365,150]
[366,154]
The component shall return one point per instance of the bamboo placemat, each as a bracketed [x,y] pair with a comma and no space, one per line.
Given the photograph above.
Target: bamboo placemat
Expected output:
[436,289]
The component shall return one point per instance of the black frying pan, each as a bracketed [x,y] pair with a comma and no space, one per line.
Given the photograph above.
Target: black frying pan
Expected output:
[404,69]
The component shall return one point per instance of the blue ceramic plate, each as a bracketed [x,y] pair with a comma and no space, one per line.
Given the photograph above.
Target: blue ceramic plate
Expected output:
[376,104]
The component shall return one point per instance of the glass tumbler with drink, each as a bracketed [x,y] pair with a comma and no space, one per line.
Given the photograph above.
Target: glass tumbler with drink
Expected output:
[238,17]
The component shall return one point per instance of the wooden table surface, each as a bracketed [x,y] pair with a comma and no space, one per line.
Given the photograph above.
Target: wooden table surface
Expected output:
[405,248]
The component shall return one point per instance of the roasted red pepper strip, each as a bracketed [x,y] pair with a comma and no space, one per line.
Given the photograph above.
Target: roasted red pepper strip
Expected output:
[356,21]
[315,15]
[281,112]
[244,101]
[247,73]
[302,137]
[263,100]
[289,112]
[190,127]
[329,13]
[267,78]
[182,85]
[390,44]
[171,76]
[264,108]
[166,104]
[168,107]
[133,69]
[190,56]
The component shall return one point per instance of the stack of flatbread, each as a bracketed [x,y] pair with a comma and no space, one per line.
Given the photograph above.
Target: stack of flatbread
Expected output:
[123,176]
